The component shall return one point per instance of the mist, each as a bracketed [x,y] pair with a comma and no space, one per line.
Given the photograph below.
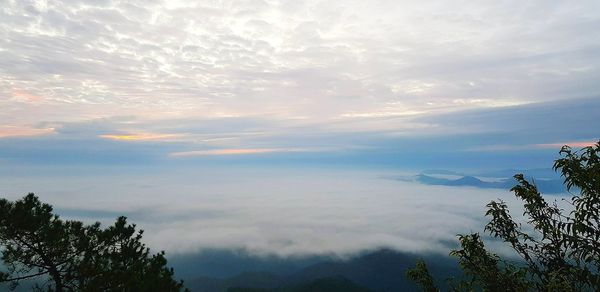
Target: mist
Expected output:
[268,211]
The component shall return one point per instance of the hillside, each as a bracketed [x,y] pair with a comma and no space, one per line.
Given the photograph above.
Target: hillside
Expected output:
[549,186]
[381,270]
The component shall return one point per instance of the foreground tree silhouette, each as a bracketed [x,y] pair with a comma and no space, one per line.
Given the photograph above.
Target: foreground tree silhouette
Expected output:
[66,255]
[560,249]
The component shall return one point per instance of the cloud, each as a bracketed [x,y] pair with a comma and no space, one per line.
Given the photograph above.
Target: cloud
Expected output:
[24,96]
[397,84]
[317,60]
[14,131]
[513,147]
[573,144]
[491,138]
[234,151]
[142,137]
[281,211]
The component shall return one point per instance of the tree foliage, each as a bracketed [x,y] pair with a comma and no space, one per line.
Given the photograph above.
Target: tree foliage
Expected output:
[420,275]
[66,255]
[559,249]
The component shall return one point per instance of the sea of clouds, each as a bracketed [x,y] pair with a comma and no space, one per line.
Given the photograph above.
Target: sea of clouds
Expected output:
[276,210]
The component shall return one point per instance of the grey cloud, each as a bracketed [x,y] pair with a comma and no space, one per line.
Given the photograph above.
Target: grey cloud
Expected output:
[139,54]
[535,123]
[316,74]
[404,141]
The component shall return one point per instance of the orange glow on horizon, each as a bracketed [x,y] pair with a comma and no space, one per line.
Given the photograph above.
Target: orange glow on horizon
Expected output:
[570,144]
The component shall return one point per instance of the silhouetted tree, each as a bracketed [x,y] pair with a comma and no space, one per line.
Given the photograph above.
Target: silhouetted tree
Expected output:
[420,274]
[560,249]
[66,255]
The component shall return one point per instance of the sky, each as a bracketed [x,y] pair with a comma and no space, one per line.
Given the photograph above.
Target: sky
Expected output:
[92,92]
[180,79]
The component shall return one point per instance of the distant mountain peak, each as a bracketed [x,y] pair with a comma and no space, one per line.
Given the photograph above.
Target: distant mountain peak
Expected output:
[550,186]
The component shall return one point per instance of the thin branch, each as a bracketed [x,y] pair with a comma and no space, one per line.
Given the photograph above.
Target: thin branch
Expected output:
[24,277]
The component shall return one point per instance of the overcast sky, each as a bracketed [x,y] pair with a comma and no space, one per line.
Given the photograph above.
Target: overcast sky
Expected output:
[216,78]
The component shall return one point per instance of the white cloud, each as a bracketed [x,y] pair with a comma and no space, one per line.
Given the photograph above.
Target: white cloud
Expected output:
[234,151]
[313,59]
[278,211]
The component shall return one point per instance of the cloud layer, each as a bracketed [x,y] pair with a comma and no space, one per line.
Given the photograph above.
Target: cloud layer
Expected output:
[311,60]
[526,136]
[266,211]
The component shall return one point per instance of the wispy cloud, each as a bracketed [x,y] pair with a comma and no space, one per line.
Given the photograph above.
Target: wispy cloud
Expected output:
[521,147]
[25,96]
[142,137]
[459,139]
[16,131]
[240,151]
[573,144]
